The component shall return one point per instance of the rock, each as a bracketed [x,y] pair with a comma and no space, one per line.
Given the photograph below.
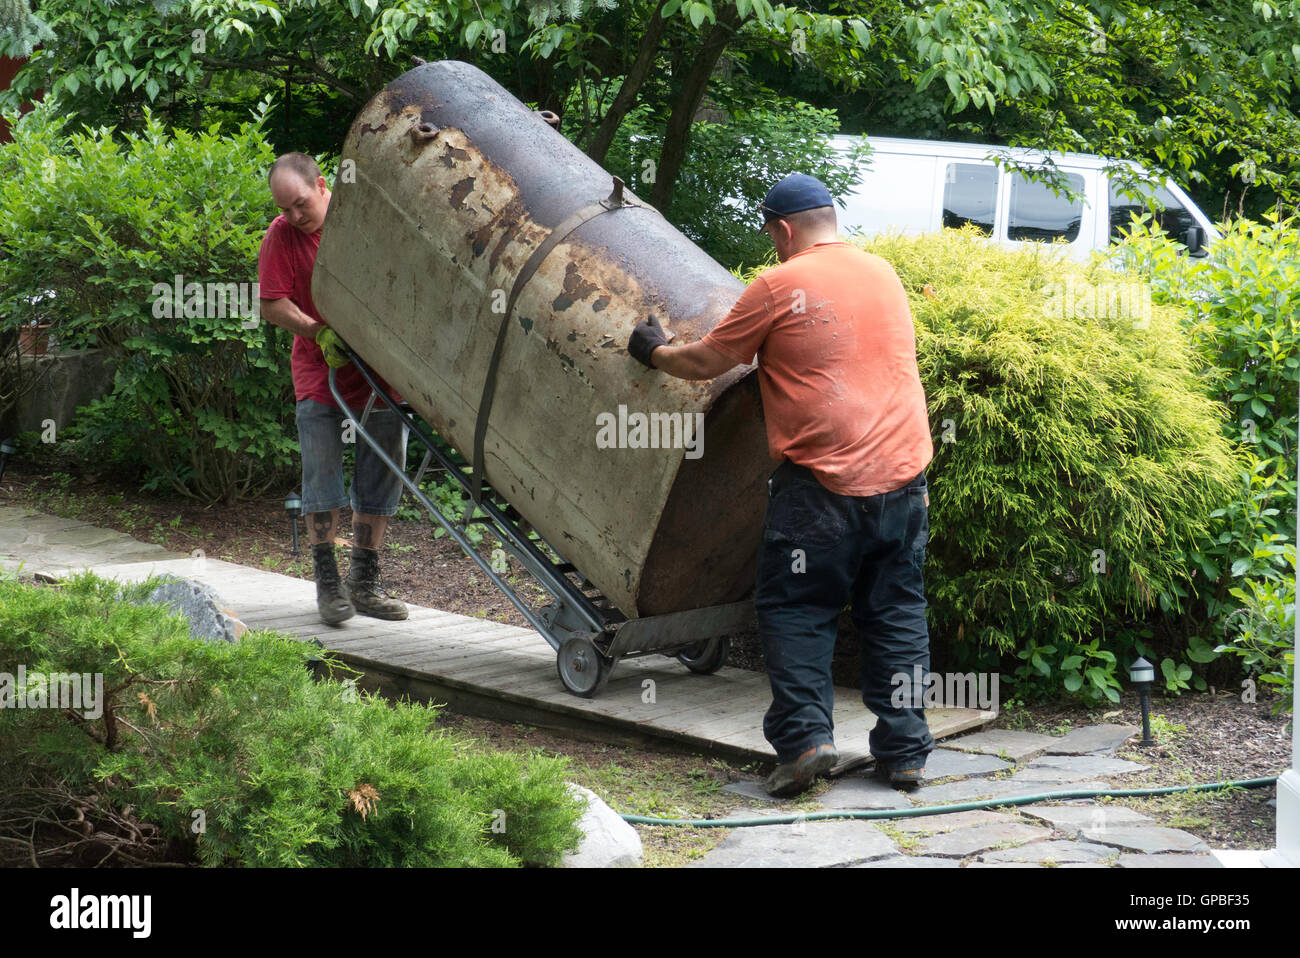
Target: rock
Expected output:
[1168,861]
[754,790]
[1146,838]
[803,845]
[1056,851]
[1093,740]
[608,841]
[209,617]
[961,842]
[977,788]
[1072,819]
[862,792]
[909,861]
[1060,769]
[947,762]
[947,822]
[1016,745]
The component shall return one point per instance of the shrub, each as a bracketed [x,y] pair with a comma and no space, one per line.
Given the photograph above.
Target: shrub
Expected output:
[91,229]
[281,770]
[1241,305]
[1077,456]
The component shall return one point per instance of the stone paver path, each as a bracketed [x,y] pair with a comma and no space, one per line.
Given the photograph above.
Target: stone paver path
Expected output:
[1072,833]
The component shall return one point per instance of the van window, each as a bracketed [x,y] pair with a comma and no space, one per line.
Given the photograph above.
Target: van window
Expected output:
[1174,218]
[970,191]
[1039,214]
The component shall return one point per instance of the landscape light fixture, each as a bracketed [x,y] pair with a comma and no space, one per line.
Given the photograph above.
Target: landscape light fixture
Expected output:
[1141,673]
[293,506]
[7,449]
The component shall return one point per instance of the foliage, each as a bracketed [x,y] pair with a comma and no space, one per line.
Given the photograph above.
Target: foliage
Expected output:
[97,232]
[1077,456]
[1242,306]
[1262,632]
[730,166]
[234,748]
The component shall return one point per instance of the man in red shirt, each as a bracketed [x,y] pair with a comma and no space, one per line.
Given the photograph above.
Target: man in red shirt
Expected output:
[284,266]
[847,515]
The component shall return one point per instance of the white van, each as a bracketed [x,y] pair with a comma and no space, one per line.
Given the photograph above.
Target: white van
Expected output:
[921,186]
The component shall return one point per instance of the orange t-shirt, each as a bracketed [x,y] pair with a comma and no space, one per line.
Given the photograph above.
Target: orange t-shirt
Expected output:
[836,349]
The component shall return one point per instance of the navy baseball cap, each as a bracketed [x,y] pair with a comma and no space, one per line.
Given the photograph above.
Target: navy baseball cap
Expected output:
[794,194]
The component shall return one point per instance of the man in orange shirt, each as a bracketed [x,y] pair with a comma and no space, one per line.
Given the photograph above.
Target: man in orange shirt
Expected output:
[848,508]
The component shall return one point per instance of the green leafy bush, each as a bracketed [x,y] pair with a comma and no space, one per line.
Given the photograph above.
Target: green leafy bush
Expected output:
[1241,305]
[1262,632]
[1077,457]
[279,769]
[94,231]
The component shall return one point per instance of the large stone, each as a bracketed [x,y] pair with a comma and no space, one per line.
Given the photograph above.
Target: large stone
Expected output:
[802,845]
[1168,861]
[1093,740]
[947,762]
[1059,769]
[909,861]
[1055,851]
[951,820]
[1016,746]
[751,790]
[1072,819]
[1146,838]
[962,842]
[862,792]
[209,617]
[607,842]
[973,789]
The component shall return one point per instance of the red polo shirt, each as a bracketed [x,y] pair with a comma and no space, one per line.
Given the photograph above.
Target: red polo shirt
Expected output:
[284,266]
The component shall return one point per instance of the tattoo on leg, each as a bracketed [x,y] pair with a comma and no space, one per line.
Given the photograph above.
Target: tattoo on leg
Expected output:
[322,524]
[365,536]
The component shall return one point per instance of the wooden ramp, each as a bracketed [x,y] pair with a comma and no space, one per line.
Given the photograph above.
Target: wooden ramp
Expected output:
[506,672]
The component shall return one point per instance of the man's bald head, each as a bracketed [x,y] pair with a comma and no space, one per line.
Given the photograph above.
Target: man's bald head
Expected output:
[797,231]
[299,191]
[300,163]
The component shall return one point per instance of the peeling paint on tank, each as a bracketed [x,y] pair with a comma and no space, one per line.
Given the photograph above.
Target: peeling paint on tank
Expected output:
[526,323]
[575,288]
[461,190]
[600,303]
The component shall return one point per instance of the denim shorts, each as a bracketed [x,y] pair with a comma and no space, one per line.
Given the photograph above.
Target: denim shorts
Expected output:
[376,489]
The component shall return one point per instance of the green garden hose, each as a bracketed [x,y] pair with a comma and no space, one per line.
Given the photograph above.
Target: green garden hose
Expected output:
[940,809]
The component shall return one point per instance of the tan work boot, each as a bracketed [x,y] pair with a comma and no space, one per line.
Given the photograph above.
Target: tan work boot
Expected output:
[363,586]
[332,598]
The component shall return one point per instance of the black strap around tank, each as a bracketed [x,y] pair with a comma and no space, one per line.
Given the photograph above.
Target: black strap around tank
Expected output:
[614,201]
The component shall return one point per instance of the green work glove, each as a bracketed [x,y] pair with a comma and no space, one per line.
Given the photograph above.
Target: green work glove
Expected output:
[332,348]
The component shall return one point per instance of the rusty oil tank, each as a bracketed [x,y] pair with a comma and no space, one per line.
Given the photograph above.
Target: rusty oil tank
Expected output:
[453,184]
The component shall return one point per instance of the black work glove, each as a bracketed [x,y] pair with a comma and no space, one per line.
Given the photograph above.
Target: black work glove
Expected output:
[647,337]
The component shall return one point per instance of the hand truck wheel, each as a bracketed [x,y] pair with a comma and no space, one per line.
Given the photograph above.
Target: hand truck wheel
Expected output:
[705,657]
[582,668]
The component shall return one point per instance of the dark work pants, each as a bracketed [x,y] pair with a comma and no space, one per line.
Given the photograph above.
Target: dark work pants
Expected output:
[821,551]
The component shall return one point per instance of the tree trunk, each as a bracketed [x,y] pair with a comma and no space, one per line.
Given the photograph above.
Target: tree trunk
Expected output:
[631,85]
[678,133]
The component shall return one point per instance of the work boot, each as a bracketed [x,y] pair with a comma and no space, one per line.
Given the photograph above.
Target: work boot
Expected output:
[363,585]
[331,594]
[791,778]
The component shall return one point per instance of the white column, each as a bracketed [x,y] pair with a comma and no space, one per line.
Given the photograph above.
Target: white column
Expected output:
[1287,852]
